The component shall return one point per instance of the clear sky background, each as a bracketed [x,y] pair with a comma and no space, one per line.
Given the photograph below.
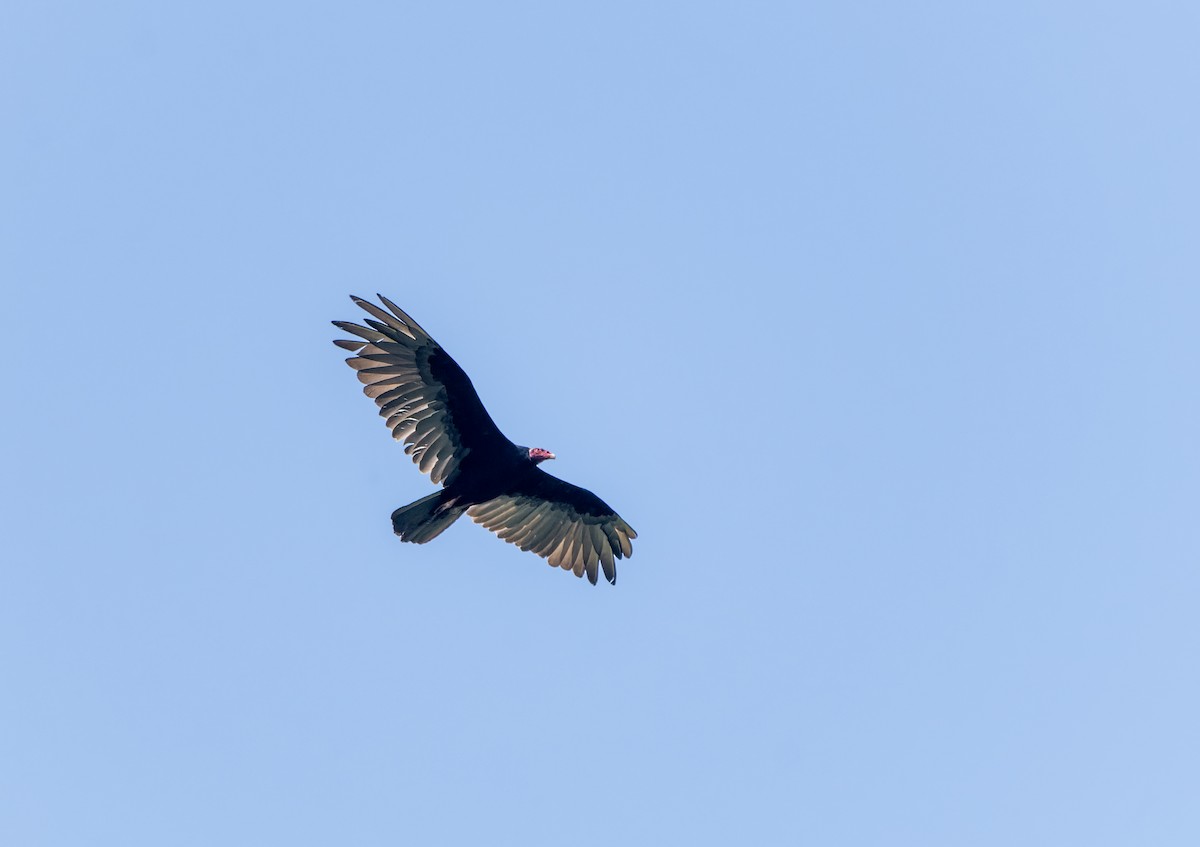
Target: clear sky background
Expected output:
[878,321]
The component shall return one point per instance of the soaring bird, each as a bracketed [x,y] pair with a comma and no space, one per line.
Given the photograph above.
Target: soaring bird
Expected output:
[430,404]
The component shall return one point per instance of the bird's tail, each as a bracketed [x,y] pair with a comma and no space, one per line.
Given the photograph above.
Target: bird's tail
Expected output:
[425,519]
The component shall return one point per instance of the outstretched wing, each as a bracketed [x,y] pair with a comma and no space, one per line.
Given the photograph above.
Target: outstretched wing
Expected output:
[567,525]
[426,398]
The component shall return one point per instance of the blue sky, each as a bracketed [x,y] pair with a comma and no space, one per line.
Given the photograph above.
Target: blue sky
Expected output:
[877,321]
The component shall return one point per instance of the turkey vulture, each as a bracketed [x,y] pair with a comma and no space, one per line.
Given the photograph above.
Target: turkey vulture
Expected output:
[430,404]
